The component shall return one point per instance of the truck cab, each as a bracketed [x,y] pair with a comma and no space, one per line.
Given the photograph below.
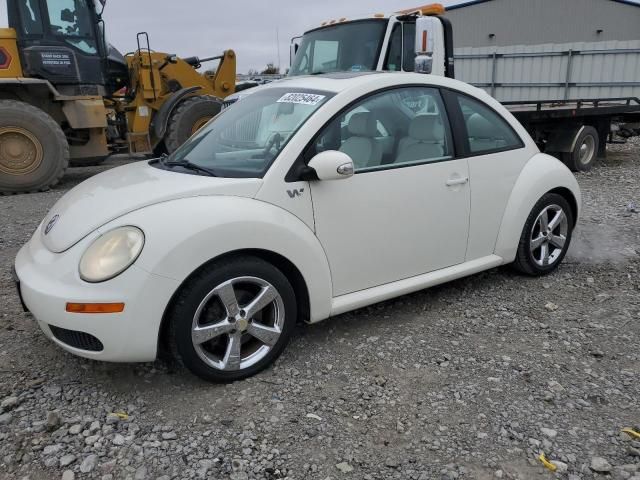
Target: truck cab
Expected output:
[64,42]
[378,43]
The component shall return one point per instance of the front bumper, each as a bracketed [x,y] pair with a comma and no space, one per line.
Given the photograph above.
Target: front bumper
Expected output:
[47,281]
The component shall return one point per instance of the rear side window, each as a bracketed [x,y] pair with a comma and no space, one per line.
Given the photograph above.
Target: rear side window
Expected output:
[487,131]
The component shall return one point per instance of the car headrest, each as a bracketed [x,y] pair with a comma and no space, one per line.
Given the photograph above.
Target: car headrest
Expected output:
[480,127]
[426,128]
[362,124]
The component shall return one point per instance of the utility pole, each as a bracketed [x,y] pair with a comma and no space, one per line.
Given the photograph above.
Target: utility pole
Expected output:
[278,46]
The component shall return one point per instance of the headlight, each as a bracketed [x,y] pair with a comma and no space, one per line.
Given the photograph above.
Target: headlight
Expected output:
[111,254]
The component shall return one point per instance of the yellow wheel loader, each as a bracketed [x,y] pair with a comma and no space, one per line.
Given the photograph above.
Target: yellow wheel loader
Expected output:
[68,96]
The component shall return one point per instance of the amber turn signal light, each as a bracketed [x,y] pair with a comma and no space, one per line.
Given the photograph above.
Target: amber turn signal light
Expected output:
[95,307]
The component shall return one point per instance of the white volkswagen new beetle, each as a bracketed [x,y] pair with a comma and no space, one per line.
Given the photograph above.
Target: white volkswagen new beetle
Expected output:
[311,197]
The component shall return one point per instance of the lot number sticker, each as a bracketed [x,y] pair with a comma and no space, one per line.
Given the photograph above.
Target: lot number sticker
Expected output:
[301,98]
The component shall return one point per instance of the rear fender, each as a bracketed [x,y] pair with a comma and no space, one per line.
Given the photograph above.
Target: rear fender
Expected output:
[540,175]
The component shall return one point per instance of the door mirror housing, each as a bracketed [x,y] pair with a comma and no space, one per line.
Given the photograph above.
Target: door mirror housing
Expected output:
[332,165]
[429,47]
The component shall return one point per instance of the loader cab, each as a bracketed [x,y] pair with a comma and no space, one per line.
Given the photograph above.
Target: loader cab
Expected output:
[63,41]
[418,40]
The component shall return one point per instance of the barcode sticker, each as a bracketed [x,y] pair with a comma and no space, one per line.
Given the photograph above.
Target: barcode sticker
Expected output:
[301,98]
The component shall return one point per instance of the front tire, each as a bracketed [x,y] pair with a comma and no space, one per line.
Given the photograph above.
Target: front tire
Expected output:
[34,153]
[232,320]
[546,236]
[190,115]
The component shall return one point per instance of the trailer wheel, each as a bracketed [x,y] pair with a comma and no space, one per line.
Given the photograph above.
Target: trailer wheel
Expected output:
[189,116]
[585,152]
[34,153]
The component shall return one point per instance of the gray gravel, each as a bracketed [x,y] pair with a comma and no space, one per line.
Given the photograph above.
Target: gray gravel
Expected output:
[473,379]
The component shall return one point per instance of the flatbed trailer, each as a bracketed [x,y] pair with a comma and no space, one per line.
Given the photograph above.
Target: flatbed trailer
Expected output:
[556,125]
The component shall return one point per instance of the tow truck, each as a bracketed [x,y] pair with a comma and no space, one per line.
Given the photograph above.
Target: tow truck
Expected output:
[420,39]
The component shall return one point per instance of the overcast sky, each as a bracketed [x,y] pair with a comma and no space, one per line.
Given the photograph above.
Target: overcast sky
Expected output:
[200,27]
[207,27]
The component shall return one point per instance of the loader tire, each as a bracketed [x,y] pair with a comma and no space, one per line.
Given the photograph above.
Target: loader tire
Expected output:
[34,153]
[189,116]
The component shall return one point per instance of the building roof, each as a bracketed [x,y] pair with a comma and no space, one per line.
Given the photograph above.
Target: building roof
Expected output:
[477,2]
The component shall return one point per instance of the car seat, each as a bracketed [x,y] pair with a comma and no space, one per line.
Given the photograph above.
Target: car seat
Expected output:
[362,146]
[425,140]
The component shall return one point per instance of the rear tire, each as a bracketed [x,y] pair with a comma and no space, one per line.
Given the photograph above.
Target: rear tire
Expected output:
[585,152]
[190,115]
[34,153]
[545,238]
[215,310]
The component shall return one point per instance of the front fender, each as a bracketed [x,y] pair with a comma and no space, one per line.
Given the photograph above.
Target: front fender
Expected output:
[161,118]
[182,235]
[540,175]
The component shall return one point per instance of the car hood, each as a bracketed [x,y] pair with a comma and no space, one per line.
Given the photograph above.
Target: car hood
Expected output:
[114,193]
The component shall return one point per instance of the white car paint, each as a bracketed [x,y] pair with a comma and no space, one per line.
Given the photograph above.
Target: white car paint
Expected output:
[355,241]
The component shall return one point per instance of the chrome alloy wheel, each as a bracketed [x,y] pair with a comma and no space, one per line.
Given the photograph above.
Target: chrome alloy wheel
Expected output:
[549,235]
[238,323]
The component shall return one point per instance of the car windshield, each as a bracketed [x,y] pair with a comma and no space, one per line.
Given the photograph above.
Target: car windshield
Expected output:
[353,46]
[245,139]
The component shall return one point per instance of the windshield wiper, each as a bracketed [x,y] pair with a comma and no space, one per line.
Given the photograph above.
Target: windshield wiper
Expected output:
[188,165]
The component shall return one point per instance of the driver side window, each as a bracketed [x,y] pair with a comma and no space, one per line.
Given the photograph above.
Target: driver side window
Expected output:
[395,128]
[71,19]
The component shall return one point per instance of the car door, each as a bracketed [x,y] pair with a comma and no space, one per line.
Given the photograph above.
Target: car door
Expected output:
[404,212]
[496,156]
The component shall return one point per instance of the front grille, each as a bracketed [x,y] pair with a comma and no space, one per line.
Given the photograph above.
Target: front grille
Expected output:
[75,339]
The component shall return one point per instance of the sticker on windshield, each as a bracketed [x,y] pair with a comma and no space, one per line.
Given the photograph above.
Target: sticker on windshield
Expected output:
[301,98]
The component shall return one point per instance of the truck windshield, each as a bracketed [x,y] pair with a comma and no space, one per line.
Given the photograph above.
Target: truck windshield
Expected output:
[353,46]
[73,20]
[245,139]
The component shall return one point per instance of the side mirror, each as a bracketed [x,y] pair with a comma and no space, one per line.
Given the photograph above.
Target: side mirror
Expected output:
[332,165]
[429,46]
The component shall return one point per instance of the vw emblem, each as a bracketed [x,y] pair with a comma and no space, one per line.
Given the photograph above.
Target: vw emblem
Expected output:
[51,224]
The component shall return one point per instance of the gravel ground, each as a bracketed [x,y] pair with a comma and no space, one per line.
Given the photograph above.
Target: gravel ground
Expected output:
[473,379]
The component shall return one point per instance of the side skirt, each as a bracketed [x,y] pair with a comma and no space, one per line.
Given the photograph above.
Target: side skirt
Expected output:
[351,301]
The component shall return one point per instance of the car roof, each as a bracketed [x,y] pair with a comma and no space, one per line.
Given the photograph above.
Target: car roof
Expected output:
[342,81]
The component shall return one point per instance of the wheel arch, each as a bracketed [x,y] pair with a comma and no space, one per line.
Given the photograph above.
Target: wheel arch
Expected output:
[541,175]
[286,266]
[571,200]
[177,247]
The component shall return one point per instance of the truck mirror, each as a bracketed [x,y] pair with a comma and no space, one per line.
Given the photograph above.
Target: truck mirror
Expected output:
[429,47]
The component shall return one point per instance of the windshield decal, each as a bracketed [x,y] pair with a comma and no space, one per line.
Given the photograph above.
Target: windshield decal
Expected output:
[302,98]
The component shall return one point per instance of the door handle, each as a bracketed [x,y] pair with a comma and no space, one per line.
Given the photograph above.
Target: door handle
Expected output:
[457,181]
